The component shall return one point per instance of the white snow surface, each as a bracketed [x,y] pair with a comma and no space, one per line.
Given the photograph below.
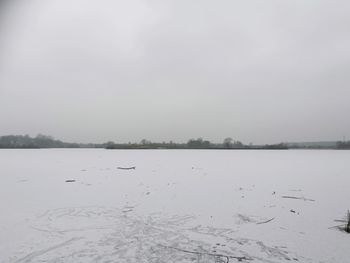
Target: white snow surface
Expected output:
[176,206]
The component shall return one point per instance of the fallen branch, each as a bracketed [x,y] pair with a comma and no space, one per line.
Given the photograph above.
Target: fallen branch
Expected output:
[264,222]
[240,259]
[300,198]
[127,168]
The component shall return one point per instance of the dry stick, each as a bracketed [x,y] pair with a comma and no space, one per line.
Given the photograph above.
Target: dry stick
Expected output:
[264,222]
[208,254]
[340,220]
[338,226]
[300,198]
[127,168]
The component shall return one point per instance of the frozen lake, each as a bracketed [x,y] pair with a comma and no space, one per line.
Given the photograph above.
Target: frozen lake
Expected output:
[176,206]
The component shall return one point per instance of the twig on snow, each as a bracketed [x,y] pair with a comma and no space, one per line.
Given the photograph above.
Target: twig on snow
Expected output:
[264,222]
[300,198]
[127,168]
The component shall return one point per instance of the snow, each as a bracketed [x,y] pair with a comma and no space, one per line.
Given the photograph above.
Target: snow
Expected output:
[176,206]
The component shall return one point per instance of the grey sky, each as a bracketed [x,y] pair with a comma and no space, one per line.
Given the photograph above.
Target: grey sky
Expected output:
[98,70]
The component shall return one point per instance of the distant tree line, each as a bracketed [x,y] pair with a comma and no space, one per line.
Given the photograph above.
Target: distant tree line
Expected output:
[330,145]
[343,145]
[199,143]
[45,141]
[40,141]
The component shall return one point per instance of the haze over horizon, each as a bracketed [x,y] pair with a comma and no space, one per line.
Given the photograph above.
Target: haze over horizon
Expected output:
[256,71]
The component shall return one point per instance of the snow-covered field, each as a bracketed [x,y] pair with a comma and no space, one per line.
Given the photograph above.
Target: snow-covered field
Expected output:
[176,206]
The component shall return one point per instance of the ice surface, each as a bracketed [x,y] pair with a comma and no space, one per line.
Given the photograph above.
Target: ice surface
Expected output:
[74,205]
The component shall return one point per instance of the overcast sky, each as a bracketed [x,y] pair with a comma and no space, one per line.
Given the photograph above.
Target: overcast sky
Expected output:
[96,70]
